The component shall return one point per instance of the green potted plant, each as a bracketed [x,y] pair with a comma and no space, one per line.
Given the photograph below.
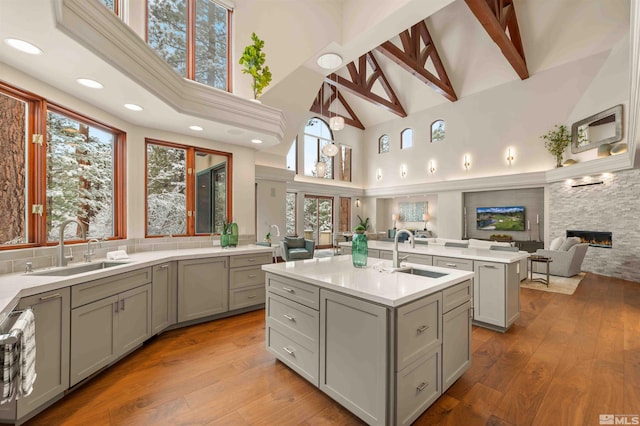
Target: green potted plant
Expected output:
[267,238]
[364,223]
[253,60]
[556,141]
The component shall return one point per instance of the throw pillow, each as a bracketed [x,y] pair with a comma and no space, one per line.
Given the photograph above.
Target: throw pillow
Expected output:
[295,242]
[556,243]
[568,243]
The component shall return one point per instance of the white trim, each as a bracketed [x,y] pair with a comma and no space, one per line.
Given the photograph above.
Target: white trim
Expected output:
[229,5]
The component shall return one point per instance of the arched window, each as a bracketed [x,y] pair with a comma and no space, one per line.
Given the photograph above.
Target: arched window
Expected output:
[406,138]
[437,131]
[383,144]
[317,134]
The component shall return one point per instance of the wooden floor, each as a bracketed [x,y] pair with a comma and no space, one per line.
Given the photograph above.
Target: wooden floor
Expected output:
[567,360]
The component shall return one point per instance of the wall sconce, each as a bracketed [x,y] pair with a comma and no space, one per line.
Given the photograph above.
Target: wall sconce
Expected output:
[510,156]
[394,217]
[379,174]
[357,202]
[467,162]
[432,167]
[403,171]
[425,217]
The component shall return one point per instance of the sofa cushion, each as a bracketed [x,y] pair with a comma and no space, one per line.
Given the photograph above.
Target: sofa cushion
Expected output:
[568,243]
[294,242]
[299,253]
[556,243]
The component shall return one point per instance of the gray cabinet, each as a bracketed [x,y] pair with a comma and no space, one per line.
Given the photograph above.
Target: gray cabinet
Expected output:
[51,311]
[419,329]
[496,294]
[453,262]
[421,259]
[418,386]
[164,293]
[203,287]
[246,282]
[456,344]
[354,344]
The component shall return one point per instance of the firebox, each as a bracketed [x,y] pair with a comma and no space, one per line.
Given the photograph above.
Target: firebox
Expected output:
[594,238]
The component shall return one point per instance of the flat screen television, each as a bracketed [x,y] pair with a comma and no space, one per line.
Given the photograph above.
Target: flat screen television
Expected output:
[509,218]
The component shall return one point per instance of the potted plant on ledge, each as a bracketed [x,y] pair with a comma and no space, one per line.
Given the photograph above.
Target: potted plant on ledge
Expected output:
[556,141]
[253,60]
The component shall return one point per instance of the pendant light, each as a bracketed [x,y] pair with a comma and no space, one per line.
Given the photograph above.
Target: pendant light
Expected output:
[330,149]
[336,122]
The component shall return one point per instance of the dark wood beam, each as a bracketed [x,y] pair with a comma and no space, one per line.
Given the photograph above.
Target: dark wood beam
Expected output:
[417,48]
[498,16]
[361,85]
[351,120]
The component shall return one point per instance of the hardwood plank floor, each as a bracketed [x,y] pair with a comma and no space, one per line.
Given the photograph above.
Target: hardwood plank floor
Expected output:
[567,360]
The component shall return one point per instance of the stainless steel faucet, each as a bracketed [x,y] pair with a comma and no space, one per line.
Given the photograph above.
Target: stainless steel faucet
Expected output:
[62,259]
[396,262]
[91,250]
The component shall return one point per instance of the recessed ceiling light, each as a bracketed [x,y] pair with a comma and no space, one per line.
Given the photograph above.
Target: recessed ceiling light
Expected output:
[133,107]
[256,141]
[329,61]
[196,128]
[23,46]
[87,82]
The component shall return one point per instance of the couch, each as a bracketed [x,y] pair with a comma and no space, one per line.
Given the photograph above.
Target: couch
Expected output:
[566,259]
[296,248]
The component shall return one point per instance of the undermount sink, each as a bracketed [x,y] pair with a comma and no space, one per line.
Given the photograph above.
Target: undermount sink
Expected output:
[422,272]
[73,270]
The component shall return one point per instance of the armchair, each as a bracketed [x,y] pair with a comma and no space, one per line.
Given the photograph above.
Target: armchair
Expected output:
[564,263]
[294,248]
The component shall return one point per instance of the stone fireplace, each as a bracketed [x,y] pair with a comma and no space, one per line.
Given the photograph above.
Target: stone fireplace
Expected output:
[593,238]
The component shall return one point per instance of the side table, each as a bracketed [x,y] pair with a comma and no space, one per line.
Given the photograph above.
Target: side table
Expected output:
[539,259]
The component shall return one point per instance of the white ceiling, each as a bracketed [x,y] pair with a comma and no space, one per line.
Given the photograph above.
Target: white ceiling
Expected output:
[553,32]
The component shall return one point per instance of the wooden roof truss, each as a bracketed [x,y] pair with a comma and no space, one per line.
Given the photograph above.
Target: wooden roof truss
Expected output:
[321,105]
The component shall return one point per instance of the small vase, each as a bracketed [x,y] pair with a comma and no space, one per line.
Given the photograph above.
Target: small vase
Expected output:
[233,235]
[558,162]
[359,250]
[224,240]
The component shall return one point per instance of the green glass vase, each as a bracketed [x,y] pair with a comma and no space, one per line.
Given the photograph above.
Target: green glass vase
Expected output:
[224,240]
[359,250]
[233,235]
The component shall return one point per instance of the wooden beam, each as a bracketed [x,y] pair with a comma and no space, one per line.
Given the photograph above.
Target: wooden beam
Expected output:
[361,85]
[498,16]
[351,120]
[413,58]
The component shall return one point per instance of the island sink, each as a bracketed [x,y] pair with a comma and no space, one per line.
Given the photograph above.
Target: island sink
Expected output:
[422,272]
[73,270]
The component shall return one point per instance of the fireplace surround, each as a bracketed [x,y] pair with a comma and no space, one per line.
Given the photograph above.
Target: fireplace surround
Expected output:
[593,238]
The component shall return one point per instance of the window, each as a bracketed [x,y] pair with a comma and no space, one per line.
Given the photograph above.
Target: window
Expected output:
[188,191]
[344,164]
[316,135]
[74,170]
[406,139]
[383,144]
[437,131]
[292,156]
[290,213]
[193,37]
[112,5]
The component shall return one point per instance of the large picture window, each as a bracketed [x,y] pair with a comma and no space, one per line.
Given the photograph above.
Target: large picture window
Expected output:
[317,134]
[193,37]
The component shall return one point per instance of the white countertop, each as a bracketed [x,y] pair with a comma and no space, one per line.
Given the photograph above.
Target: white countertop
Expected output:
[15,286]
[471,253]
[372,283]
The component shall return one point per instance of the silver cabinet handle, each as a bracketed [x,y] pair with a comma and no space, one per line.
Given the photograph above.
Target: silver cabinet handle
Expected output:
[252,275]
[289,351]
[422,386]
[122,305]
[51,296]
[422,329]
[452,265]
[115,307]
[289,317]
[163,266]
[490,266]
[287,289]
[253,296]
[251,260]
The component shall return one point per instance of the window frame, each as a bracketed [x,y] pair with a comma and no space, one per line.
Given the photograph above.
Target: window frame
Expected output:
[402,137]
[318,149]
[191,40]
[380,151]
[444,131]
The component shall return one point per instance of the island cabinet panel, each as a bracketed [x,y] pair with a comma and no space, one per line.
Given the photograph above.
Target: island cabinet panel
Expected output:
[456,343]
[164,296]
[419,330]
[203,287]
[301,359]
[306,294]
[418,386]
[456,295]
[496,294]
[352,331]
[453,262]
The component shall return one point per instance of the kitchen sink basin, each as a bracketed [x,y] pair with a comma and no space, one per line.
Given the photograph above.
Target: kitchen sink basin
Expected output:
[422,272]
[73,270]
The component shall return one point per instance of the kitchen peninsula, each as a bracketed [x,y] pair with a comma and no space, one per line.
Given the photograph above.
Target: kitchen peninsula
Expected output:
[383,343]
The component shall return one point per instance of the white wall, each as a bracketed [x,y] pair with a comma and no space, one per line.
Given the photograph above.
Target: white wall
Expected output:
[271,206]
[450,215]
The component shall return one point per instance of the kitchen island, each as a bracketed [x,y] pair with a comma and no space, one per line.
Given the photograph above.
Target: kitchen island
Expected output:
[383,343]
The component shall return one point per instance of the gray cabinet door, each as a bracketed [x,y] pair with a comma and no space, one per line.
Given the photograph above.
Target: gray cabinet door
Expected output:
[489,293]
[51,311]
[456,344]
[352,330]
[164,295]
[134,318]
[93,337]
[203,288]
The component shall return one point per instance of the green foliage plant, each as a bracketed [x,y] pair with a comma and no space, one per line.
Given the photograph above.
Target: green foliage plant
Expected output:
[253,60]
[359,229]
[364,223]
[556,141]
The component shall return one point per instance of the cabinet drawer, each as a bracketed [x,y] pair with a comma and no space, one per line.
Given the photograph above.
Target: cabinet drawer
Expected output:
[245,277]
[418,387]
[298,291]
[91,291]
[422,259]
[456,295]
[293,319]
[249,259]
[373,253]
[387,255]
[419,329]
[452,262]
[246,296]
[345,250]
[302,360]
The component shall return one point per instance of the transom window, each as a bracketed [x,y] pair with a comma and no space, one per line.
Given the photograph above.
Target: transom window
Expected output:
[406,138]
[437,131]
[383,144]
[193,37]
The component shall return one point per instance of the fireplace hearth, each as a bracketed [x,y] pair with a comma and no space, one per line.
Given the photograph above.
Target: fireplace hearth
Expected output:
[593,238]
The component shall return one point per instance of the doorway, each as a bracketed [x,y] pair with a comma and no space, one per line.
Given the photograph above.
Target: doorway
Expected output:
[318,220]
